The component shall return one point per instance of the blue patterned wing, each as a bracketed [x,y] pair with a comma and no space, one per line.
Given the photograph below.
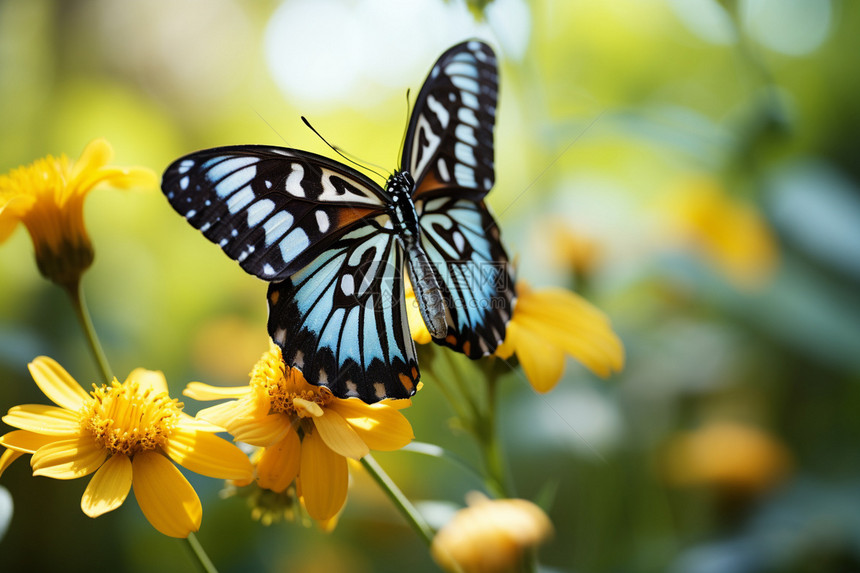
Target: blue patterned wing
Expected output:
[449,151]
[462,241]
[318,232]
[342,320]
[272,209]
[449,142]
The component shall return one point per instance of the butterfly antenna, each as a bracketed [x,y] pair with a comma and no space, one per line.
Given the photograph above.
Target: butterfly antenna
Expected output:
[338,151]
[406,128]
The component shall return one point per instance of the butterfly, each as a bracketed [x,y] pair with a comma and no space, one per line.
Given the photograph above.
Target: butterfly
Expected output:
[333,243]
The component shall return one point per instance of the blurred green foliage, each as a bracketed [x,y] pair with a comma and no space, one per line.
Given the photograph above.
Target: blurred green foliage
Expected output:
[606,107]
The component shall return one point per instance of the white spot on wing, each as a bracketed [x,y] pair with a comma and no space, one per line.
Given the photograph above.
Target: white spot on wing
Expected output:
[465,154]
[469,99]
[185,165]
[259,211]
[464,83]
[347,285]
[277,226]
[322,221]
[466,134]
[467,115]
[465,175]
[280,336]
[443,170]
[439,110]
[294,243]
[268,270]
[459,241]
[240,199]
[293,184]
[461,68]
[183,183]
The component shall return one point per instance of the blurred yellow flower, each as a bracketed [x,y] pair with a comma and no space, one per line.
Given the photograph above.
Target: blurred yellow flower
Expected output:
[728,455]
[127,434]
[306,432]
[731,234]
[573,250]
[48,195]
[490,536]
[552,322]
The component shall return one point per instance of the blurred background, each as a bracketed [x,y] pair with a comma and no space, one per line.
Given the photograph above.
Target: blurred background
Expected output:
[689,166]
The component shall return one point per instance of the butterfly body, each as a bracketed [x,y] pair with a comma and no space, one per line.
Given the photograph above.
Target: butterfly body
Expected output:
[333,244]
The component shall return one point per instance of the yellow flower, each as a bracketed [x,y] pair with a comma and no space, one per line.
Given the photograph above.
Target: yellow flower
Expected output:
[727,455]
[306,432]
[127,434]
[552,322]
[729,233]
[490,536]
[48,197]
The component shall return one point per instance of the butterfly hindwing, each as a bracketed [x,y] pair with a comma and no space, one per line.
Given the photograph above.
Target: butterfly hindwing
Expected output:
[269,208]
[342,321]
[462,240]
[449,142]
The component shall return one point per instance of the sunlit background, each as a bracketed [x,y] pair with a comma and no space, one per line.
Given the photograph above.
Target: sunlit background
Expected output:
[689,166]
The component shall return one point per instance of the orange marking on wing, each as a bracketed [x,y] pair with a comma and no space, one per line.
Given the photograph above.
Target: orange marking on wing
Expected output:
[466,348]
[406,381]
[429,183]
[275,296]
[414,373]
[345,217]
[451,339]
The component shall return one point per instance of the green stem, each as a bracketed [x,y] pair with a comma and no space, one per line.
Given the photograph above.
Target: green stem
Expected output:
[80,305]
[197,549]
[408,510]
[497,481]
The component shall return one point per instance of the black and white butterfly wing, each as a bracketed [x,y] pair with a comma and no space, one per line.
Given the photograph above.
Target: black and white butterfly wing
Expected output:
[342,320]
[449,150]
[318,232]
[462,240]
[271,209]
[449,142]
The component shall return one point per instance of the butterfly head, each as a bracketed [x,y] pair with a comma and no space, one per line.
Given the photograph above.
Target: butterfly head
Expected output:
[400,183]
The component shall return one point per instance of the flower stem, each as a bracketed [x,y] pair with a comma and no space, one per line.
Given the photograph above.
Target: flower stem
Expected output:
[80,305]
[197,549]
[415,519]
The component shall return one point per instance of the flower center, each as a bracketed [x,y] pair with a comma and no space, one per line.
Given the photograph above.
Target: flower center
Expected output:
[282,386]
[126,419]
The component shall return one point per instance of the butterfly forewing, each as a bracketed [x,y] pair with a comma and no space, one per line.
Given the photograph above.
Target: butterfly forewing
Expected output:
[342,320]
[449,142]
[271,209]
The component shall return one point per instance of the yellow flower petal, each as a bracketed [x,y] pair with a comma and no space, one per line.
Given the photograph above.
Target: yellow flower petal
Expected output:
[68,459]
[339,435]
[57,384]
[209,455]
[379,426]
[542,363]
[7,458]
[10,213]
[278,465]
[224,415]
[42,419]
[262,432]
[307,408]
[164,495]
[91,169]
[199,425]
[95,155]
[324,478]
[109,487]
[24,441]
[203,392]
[148,379]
